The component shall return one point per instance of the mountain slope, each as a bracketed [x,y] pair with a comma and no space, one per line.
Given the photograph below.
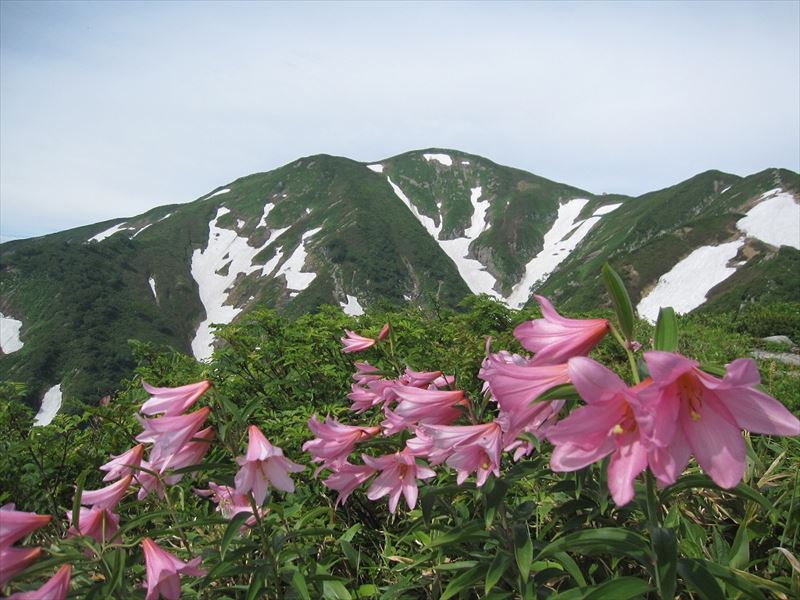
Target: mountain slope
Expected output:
[426,227]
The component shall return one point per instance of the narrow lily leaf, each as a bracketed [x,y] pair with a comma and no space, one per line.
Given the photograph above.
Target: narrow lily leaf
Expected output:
[231,531]
[299,585]
[118,572]
[740,549]
[494,499]
[496,569]
[334,590]
[694,573]
[666,338]
[622,588]
[608,540]
[620,299]
[256,585]
[566,391]
[665,549]
[462,582]
[704,481]
[76,501]
[570,566]
[523,550]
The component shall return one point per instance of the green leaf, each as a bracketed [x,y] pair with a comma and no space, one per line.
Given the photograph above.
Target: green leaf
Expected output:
[622,588]
[367,590]
[494,499]
[256,585]
[740,550]
[699,579]
[608,540]
[704,481]
[620,299]
[76,501]
[570,566]
[300,586]
[334,590]
[231,531]
[459,534]
[665,550]
[350,552]
[666,337]
[118,572]
[462,582]
[496,569]
[523,550]
[566,391]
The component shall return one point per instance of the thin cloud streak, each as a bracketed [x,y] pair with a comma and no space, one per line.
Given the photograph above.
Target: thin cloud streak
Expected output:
[108,110]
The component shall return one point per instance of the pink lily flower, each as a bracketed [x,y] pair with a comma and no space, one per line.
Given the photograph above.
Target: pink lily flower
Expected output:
[365,373]
[172,401]
[15,524]
[352,342]
[150,481]
[419,379]
[384,332]
[163,571]
[56,588]
[697,413]
[107,497]
[334,441]
[169,434]
[399,476]
[611,423]
[555,339]
[516,388]
[346,478]
[422,446]
[262,466]
[101,524]
[229,502]
[15,560]
[472,448]
[428,406]
[128,462]
[191,453]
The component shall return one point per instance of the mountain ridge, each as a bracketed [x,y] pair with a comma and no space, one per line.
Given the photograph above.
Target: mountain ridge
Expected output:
[424,227]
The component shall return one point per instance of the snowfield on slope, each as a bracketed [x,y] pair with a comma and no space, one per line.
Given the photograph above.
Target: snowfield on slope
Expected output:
[224,248]
[775,220]
[51,402]
[296,279]
[352,306]
[564,236]
[473,272]
[152,283]
[108,232]
[444,159]
[9,334]
[686,285]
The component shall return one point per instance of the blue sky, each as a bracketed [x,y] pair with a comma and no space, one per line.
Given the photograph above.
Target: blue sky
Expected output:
[108,109]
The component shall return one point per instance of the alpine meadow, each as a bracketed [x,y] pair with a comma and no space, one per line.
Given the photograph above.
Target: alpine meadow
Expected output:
[426,376]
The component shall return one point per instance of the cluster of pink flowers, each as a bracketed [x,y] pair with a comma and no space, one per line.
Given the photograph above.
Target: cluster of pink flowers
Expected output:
[677,412]
[15,525]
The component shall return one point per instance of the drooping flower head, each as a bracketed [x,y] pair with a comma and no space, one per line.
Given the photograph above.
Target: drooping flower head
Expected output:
[697,413]
[334,441]
[124,464]
[352,342]
[262,466]
[346,478]
[163,569]
[399,476]
[14,560]
[16,524]
[100,524]
[555,339]
[471,448]
[172,401]
[107,497]
[56,588]
[169,434]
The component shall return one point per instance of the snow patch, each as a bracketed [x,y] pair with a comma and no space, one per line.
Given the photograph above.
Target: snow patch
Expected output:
[726,189]
[224,246]
[775,220]
[685,286]
[428,223]
[604,210]
[472,271]
[108,232]
[9,334]
[218,193]
[352,307]
[152,283]
[51,402]
[564,236]
[239,223]
[166,216]
[440,158]
[272,262]
[464,162]
[376,168]
[296,279]
[141,230]
[267,209]
[308,211]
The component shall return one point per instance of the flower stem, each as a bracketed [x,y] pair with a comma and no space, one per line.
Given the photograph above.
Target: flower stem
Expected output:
[653,504]
[631,357]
